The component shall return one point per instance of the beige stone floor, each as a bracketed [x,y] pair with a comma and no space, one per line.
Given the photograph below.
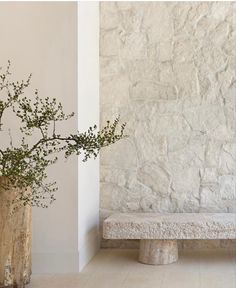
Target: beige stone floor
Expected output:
[120,269]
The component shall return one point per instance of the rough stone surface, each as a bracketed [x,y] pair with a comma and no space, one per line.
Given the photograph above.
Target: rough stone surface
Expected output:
[168,70]
[15,239]
[170,226]
[158,252]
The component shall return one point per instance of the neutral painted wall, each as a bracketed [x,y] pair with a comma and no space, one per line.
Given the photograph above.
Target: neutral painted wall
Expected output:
[41,37]
[168,68]
[88,111]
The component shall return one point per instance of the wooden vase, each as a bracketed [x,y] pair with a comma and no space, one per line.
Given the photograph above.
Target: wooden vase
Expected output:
[15,239]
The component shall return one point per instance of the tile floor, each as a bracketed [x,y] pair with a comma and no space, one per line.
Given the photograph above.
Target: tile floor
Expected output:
[120,269]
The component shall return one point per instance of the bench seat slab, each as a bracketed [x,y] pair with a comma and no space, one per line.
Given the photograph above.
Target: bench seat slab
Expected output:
[170,226]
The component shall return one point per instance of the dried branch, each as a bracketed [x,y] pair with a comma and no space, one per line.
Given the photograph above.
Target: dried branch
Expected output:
[25,166]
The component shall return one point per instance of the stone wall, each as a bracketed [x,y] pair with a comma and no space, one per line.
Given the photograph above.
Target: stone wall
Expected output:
[169,70]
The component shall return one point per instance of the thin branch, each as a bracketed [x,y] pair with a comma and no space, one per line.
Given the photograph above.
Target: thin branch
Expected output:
[44,140]
[10,136]
[41,130]
[54,128]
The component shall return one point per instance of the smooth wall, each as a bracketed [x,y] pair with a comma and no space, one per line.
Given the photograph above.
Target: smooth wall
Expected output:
[41,37]
[168,68]
[88,112]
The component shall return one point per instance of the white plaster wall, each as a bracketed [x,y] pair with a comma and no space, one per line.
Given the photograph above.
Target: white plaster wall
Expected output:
[168,68]
[88,112]
[41,37]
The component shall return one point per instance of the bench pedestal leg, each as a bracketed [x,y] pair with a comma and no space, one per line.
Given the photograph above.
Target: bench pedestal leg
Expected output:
[158,252]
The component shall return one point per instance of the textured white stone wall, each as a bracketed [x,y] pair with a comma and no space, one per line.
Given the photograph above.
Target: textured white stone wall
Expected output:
[169,70]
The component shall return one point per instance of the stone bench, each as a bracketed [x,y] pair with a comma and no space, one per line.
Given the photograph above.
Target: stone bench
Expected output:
[159,232]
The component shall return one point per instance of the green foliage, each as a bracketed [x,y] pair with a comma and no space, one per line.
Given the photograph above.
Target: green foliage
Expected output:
[25,165]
